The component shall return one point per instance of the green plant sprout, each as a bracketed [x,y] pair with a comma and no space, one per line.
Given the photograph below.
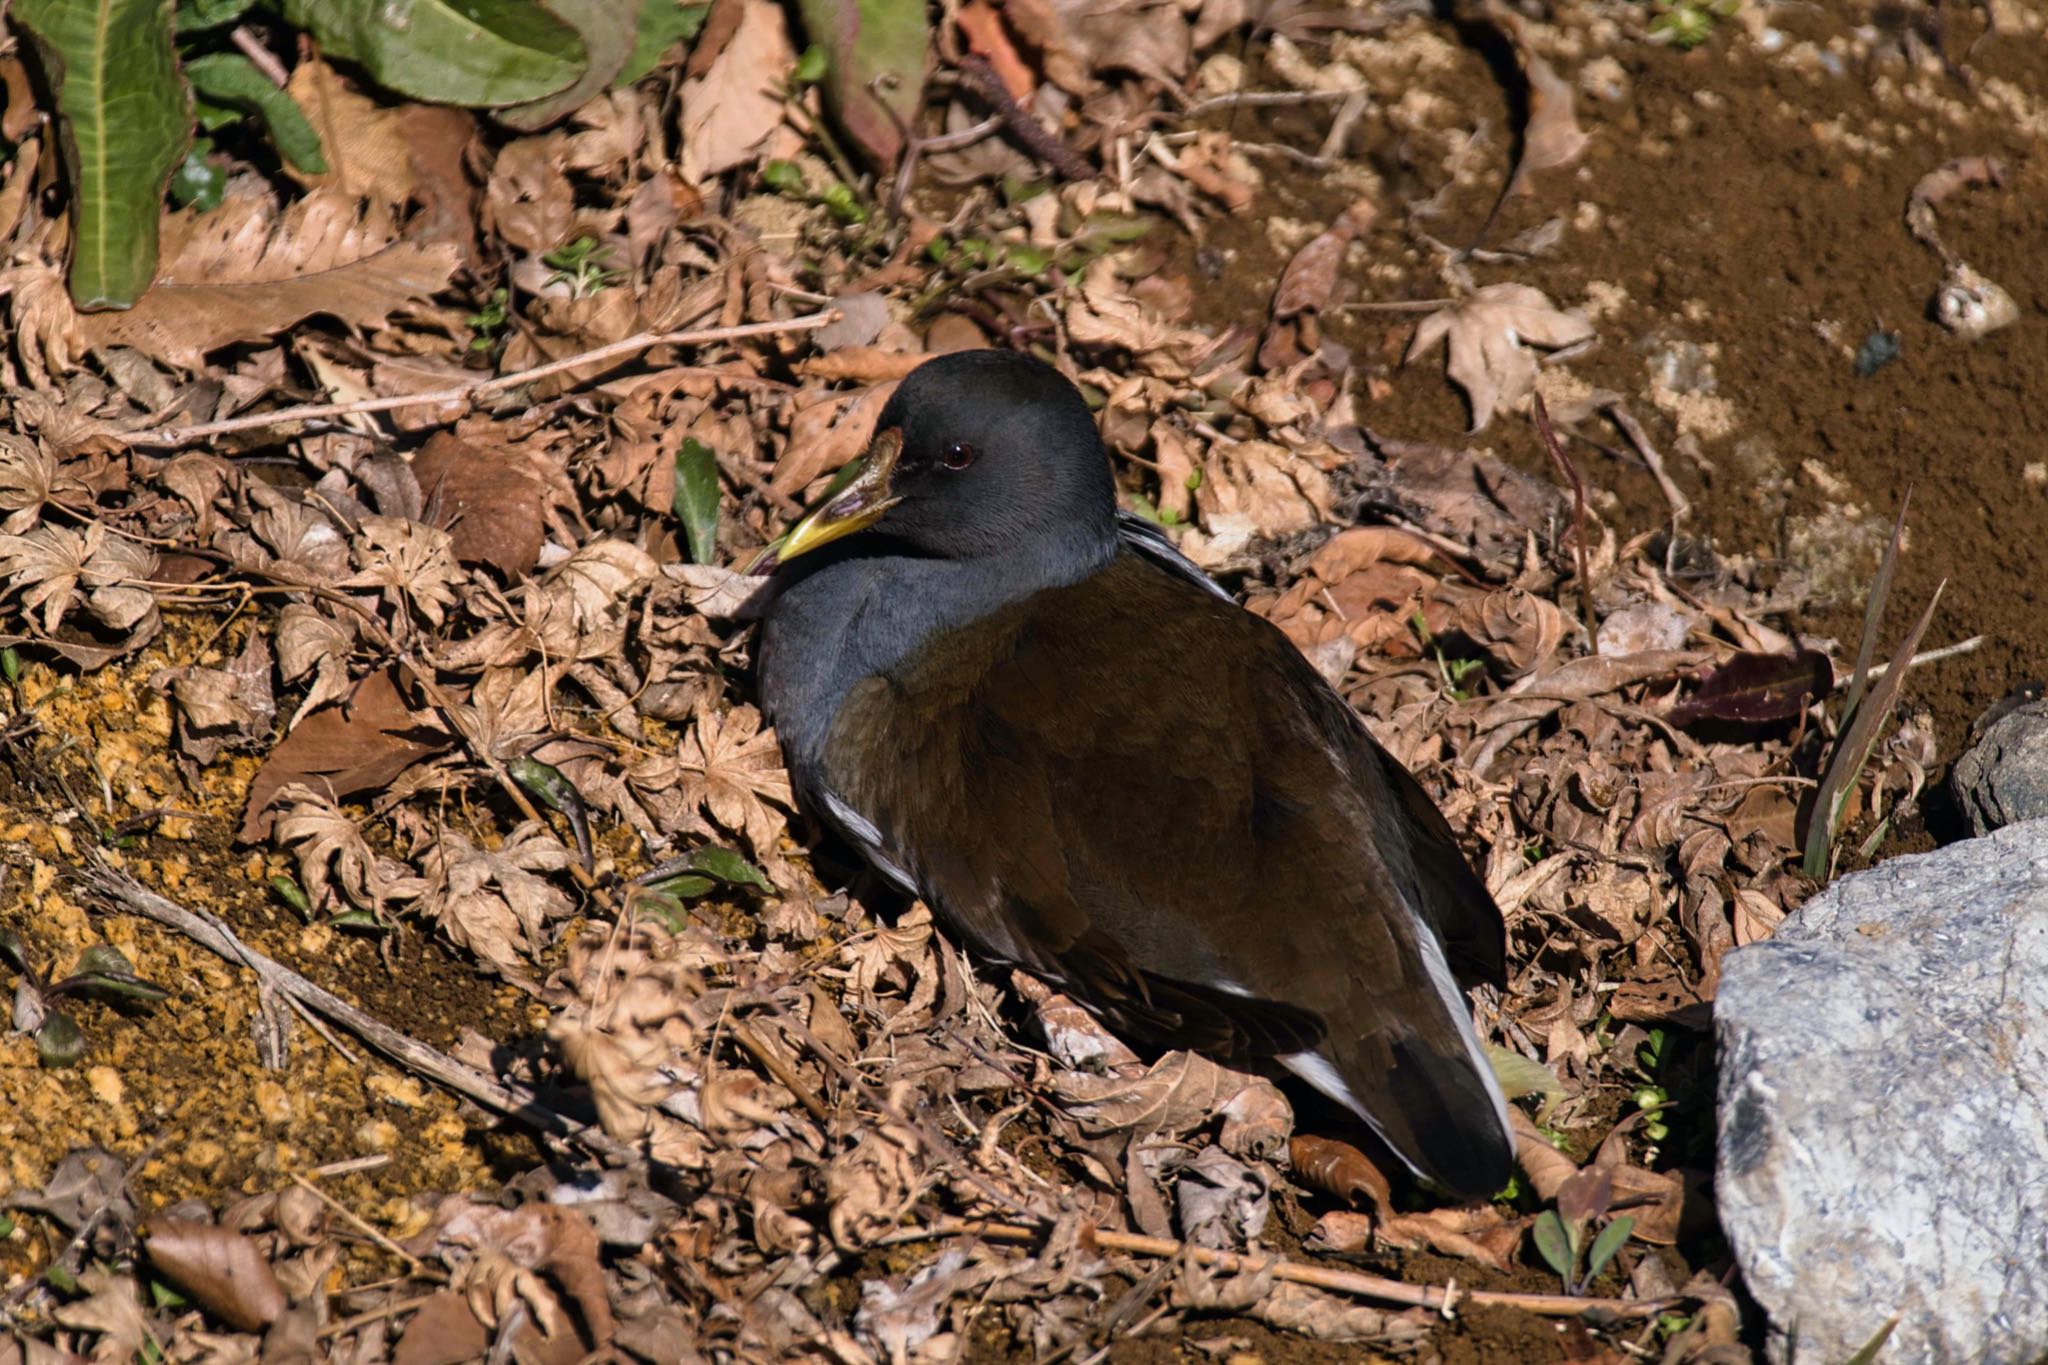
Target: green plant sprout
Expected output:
[488,321]
[102,972]
[1685,24]
[581,265]
[1561,1231]
[1452,671]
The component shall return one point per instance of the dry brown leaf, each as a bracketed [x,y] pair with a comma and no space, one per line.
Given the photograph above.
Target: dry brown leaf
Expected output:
[873,1185]
[733,769]
[334,856]
[1490,335]
[1310,279]
[732,110]
[360,745]
[491,502]
[492,901]
[226,1272]
[408,563]
[1480,1233]
[1180,1091]
[246,271]
[222,708]
[113,1308]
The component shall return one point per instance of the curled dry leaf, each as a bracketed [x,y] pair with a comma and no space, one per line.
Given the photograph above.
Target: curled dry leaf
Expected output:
[335,858]
[112,1307]
[222,708]
[499,1257]
[1340,1169]
[493,901]
[1179,1092]
[1490,335]
[1223,1203]
[408,563]
[490,501]
[732,767]
[873,1185]
[226,1272]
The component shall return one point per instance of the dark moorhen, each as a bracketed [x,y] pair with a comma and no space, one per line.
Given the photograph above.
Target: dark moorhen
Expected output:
[1033,713]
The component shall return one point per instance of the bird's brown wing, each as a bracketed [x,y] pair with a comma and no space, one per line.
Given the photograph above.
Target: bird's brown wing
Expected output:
[1146,793]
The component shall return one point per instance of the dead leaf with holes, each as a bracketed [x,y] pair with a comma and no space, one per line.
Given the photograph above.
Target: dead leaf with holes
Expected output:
[408,563]
[1490,336]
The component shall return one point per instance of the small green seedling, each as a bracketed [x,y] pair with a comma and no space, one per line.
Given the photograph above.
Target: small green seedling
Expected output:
[1561,1231]
[581,264]
[1454,672]
[663,892]
[1685,24]
[102,972]
[488,321]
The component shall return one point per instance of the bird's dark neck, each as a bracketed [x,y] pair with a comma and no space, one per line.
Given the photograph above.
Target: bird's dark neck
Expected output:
[864,611]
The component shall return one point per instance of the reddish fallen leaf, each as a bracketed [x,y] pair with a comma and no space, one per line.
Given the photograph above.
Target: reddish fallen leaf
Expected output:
[443,1332]
[220,1268]
[359,744]
[1338,1168]
[1756,689]
[982,26]
[489,501]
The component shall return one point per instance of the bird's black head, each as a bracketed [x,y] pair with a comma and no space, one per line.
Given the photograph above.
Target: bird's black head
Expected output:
[997,453]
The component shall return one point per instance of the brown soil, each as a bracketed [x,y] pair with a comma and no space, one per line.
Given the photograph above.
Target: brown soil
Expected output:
[1735,207]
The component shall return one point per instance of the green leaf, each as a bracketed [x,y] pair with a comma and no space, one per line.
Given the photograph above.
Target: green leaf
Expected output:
[696,497]
[1606,1244]
[59,1042]
[729,867]
[123,124]
[479,53]
[232,79]
[1519,1076]
[1554,1243]
[663,24]
[610,30]
[289,892]
[15,952]
[196,16]
[103,958]
[687,886]
[124,985]
[876,52]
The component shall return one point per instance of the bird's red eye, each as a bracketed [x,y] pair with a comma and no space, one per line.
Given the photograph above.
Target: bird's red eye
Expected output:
[957,455]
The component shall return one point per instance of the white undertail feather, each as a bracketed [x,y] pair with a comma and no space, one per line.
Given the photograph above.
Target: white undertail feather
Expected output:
[1317,1070]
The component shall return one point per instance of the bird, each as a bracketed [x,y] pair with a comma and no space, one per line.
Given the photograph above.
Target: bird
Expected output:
[1027,709]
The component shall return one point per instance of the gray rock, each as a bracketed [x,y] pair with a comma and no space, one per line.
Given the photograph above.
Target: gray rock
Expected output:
[2004,778]
[1884,1109]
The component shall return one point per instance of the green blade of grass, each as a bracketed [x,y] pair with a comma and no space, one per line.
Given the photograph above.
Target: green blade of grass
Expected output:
[1853,748]
[1873,610]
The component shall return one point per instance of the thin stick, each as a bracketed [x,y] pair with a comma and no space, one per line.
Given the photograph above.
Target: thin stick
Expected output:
[1041,141]
[121,890]
[1571,473]
[306,412]
[1929,656]
[1341,1281]
[1681,506]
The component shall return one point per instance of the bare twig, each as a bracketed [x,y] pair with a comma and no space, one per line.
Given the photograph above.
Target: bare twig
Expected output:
[116,887]
[1681,506]
[1930,656]
[1036,137]
[306,412]
[1578,487]
[1320,1277]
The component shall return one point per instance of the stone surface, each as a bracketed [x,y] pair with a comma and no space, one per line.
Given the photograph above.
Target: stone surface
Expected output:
[2003,779]
[1884,1109]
